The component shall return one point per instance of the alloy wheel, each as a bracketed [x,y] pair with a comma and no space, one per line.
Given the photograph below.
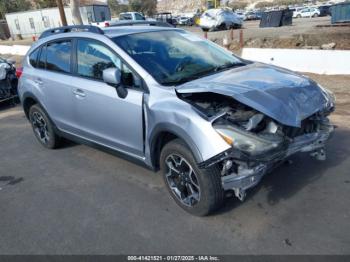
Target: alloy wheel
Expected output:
[182,180]
[40,127]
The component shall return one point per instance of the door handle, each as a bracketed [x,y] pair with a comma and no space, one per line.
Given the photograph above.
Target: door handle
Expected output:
[79,92]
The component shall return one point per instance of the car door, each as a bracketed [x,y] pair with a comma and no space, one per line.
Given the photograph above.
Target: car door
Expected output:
[101,114]
[306,13]
[53,74]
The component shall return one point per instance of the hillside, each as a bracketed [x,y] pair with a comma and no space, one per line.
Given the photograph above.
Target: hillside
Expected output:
[183,6]
[180,6]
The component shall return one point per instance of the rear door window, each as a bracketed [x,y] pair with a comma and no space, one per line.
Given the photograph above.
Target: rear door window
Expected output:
[58,56]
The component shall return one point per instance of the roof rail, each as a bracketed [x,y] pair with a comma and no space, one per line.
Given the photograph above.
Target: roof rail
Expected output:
[72,28]
[140,22]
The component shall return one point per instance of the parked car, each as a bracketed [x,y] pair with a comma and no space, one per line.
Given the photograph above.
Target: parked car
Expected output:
[240,15]
[325,10]
[296,10]
[183,20]
[219,19]
[307,12]
[131,16]
[166,17]
[8,80]
[212,122]
[252,16]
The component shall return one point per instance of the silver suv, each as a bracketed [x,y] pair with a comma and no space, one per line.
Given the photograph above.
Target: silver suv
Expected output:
[212,122]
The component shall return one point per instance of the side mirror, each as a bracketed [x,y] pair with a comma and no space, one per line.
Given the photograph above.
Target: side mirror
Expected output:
[112,76]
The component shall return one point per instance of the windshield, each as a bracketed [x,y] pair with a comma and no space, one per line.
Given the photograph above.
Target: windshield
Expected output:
[174,57]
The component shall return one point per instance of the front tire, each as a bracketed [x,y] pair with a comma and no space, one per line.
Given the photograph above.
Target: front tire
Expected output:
[43,127]
[197,191]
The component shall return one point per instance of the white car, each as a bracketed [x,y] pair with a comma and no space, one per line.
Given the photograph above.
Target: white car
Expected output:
[219,19]
[241,15]
[307,12]
[184,20]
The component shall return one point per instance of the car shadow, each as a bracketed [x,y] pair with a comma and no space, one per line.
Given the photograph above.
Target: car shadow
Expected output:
[66,143]
[286,180]
[8,104]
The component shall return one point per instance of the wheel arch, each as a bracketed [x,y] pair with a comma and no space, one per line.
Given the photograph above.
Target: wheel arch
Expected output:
[163,135]
[28,100]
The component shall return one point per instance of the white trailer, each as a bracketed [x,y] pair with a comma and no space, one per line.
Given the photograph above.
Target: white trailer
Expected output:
[34,22]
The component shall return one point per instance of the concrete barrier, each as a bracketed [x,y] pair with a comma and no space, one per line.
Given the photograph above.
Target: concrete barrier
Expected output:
[14,49]
[329,62]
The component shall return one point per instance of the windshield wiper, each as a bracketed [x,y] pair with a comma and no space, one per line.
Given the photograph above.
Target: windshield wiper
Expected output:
[229,65]
[203,73]
[189,78]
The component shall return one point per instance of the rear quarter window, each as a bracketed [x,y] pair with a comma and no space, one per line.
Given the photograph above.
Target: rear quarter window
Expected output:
[41,63]
[33,57]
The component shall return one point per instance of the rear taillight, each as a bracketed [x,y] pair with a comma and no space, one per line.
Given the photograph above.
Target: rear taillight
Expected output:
[19,72]
[106,24]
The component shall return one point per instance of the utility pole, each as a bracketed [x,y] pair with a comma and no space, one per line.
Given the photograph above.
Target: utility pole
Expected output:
[62,14]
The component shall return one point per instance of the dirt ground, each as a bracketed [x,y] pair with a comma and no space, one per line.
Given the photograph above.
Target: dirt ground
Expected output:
[340,86]
[303,33]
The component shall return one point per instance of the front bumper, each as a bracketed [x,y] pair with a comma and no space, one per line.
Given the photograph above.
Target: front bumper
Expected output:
[252,169]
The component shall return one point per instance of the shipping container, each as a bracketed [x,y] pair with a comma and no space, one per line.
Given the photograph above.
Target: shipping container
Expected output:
[341,13]
[276,18]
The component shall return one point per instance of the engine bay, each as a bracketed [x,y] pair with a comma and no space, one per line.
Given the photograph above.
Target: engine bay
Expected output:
[227,111]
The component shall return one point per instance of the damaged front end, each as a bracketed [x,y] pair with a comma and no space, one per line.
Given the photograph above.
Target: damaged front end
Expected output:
[258,142]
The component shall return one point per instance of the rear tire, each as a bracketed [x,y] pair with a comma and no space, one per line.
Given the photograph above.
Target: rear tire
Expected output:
[43,128]
[197,191]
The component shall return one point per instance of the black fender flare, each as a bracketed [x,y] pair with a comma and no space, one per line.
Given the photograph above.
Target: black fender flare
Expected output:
[30,95]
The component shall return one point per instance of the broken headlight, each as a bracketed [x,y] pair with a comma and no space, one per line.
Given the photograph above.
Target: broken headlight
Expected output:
[246,142]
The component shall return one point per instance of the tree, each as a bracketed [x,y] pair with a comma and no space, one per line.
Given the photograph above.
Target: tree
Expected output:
[45,3]
[238,5]
[117,8]
[264,4]
[9,6]
[135,5]
[148,7]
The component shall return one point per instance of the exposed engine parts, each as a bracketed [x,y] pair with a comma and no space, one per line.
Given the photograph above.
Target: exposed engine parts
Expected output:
[259,143]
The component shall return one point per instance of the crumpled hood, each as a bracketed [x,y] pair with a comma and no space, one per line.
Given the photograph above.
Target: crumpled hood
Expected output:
[278,93]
